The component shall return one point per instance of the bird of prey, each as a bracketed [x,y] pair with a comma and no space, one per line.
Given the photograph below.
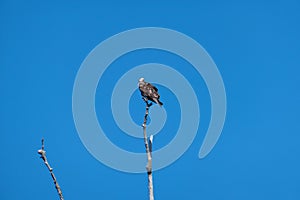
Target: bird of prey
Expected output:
[149,92]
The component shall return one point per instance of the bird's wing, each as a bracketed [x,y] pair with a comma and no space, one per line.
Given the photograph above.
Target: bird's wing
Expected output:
[155,88]
[149,91]
[152,87]
[152,91]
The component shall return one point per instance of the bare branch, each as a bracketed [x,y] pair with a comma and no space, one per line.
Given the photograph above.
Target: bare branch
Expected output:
[149,152]
[42,152]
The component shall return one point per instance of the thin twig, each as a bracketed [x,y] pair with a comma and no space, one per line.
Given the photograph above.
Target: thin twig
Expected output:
[149,153]
[42,152]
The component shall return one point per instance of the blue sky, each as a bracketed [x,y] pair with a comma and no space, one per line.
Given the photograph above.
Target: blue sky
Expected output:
[255,46]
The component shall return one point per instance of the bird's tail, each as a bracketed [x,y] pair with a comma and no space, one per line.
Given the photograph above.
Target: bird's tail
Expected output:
[160,103]
[157,101]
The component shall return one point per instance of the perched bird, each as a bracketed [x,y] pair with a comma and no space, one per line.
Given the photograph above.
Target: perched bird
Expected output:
[149,92]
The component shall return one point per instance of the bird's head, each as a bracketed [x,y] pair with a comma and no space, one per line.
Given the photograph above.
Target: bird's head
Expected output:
[141,80]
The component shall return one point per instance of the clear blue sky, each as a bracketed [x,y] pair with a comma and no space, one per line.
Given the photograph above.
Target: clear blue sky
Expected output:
[255,46]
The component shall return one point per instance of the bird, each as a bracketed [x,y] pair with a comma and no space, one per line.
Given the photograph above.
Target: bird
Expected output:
[149,92]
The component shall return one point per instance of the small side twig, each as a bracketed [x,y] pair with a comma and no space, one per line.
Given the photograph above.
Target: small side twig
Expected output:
[149,152]
[42,152]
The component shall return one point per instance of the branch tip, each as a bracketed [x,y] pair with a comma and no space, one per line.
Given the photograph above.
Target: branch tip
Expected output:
[42,152]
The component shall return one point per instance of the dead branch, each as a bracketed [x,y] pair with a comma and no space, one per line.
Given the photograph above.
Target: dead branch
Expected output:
[42,152]
[149,152]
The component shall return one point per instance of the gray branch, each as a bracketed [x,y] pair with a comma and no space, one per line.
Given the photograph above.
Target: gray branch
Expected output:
[149,153]
[42,152]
